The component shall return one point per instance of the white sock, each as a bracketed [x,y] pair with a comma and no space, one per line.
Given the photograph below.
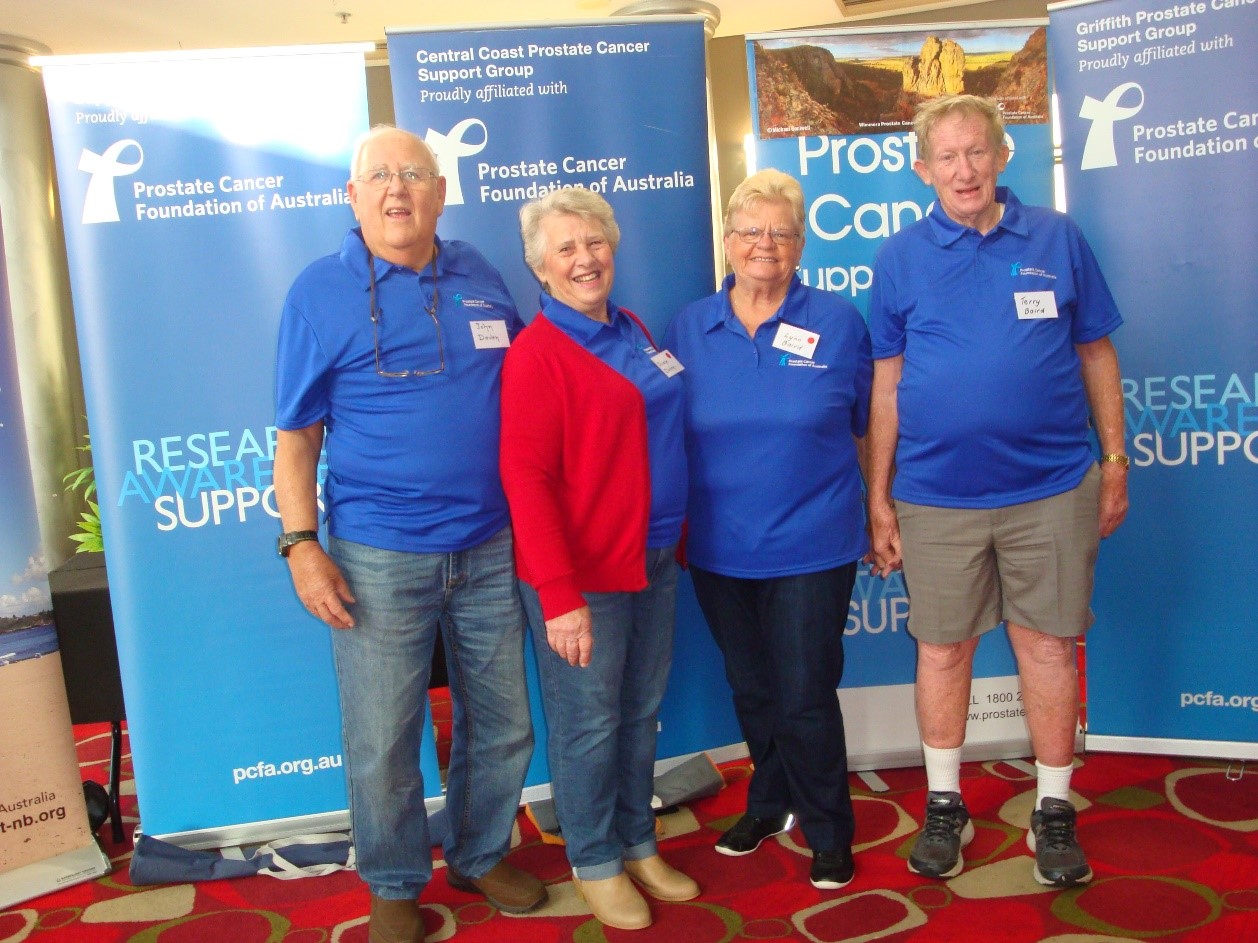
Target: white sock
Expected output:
[943,768]
[1052,781]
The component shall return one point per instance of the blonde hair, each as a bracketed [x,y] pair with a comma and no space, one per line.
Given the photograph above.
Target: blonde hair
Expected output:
[929,113]
[771,186]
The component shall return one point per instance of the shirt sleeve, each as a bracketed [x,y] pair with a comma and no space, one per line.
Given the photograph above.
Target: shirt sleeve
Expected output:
[301,373]
[886,311]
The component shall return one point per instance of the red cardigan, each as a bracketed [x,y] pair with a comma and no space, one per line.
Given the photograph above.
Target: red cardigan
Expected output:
[575,469]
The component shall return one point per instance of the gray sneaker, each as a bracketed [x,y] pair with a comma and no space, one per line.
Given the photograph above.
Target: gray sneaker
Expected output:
[948,829]
[1059,861]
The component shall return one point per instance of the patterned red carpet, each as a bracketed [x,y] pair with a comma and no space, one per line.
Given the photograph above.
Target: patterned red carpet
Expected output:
[1173,842]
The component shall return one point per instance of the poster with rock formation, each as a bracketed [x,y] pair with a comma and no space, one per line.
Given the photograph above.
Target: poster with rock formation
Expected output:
[861,82]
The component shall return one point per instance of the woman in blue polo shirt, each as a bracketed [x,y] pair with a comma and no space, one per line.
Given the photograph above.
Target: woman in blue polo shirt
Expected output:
[777,385]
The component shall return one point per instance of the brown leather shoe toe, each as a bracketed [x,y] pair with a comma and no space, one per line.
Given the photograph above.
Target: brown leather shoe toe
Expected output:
[395,921]
[505,886]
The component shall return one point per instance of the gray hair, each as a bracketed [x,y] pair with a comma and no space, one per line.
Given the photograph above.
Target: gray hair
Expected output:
[365,139]
[573,201]
[929,113]
[767,186]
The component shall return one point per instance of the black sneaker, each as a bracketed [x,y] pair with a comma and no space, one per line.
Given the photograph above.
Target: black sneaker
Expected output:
[832,869]
[948,829]
[1059,861]
[749,831]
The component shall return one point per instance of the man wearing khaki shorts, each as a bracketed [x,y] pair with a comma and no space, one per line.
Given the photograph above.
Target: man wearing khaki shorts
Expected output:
[990,324]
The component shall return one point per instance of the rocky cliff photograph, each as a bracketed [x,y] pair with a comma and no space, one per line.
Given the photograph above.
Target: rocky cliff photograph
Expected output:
[870,83]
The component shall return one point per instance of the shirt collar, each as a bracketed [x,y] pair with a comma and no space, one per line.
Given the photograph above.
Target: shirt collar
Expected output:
[723,314]
[947,230]
[354,258]
[574,322]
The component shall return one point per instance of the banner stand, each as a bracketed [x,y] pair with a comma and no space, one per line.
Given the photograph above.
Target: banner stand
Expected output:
[52,874]
[45,840]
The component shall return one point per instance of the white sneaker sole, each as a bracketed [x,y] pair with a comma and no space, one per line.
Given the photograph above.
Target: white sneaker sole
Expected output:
[732,853]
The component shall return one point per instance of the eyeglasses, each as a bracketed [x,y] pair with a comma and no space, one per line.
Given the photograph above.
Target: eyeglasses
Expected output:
[751,235]
[377,315]
[378,178]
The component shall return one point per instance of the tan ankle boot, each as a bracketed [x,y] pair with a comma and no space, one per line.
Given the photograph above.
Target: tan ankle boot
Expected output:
[615,902]
[661,880]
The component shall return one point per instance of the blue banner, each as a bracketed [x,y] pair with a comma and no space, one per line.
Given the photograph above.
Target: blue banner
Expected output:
[1159,111]
[194,189]
[834,109]
[619,108]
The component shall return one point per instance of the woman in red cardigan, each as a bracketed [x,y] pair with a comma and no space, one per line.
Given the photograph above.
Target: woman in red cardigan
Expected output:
[594,467]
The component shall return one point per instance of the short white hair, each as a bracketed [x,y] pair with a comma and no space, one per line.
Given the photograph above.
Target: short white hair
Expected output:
[364,141]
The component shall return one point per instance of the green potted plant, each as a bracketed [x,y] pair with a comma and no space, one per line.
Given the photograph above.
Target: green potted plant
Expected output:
[83,480]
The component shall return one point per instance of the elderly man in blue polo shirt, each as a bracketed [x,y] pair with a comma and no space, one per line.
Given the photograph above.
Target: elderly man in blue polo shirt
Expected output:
[390,352]
[990,324]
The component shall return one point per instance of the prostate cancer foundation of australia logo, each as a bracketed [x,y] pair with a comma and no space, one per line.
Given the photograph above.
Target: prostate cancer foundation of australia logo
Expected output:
[449,147]
[101,203]
[1098,149]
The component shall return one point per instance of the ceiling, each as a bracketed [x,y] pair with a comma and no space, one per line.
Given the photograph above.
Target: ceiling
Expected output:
[70,27]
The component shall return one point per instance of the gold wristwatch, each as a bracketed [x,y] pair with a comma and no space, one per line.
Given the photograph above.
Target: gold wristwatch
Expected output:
[1117,459]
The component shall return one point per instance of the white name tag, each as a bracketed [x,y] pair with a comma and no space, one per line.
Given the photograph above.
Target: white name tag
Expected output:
[669,365]
[1035,305]
[489,334]
[795,340]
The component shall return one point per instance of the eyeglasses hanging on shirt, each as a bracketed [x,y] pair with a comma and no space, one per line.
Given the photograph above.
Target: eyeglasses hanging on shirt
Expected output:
[380,326]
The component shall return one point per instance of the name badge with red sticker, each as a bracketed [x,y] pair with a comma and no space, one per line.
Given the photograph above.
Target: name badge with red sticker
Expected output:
[669,365]
[795,340]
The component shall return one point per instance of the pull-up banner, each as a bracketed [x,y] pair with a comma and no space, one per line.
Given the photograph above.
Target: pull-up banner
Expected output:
[1159,111]
[618,107]
[195,187]
[834,109]
[45,840]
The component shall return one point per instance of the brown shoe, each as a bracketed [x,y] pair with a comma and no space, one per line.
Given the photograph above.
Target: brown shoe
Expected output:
[615,902]
[661,880]
[506,887]
[395,921]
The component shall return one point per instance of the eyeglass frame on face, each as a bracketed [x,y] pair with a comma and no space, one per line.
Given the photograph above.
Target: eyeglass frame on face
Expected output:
[412,177]
[751,235]
[377,313]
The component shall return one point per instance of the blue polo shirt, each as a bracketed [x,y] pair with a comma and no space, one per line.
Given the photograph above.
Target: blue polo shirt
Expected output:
[775,487]
[624,346]
[992,407]
[412,462]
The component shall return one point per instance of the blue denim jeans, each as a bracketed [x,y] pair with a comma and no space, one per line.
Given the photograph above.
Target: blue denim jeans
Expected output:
[602,720]
[782,639]
[383,666]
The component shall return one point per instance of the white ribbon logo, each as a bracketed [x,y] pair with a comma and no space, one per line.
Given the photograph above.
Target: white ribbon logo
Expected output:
[1098,150]
[449,148]
[101,204]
